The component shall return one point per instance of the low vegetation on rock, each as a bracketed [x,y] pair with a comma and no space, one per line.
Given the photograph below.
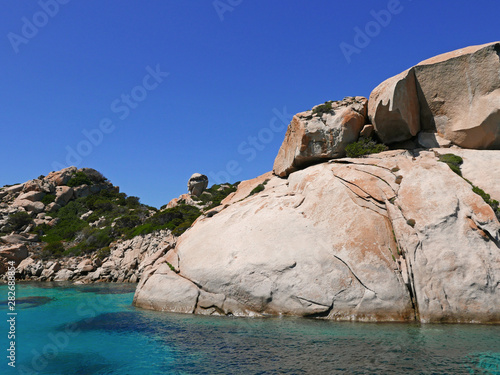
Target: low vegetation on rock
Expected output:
[454,162]
[79,179]
[487,198]
[178,219]
[323,108]
[53,250]
[258,188]
[363,147]
[17,221]
[212,197]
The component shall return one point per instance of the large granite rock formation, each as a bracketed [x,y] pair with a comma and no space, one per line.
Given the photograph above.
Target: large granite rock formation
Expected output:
[320,134]
[396,236]
[456,95]
[392,237]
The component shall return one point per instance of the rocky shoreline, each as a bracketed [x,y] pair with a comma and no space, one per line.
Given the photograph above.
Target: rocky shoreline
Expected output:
[127,261]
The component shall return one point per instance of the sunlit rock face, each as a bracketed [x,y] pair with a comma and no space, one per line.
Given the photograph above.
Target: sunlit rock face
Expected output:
[391,237]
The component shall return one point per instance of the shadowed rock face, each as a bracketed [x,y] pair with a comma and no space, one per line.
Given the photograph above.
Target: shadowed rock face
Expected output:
[393,108]
[456,94]
[387,238]
[320,134]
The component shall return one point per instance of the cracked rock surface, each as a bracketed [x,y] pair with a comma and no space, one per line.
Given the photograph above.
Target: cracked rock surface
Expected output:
[392,237]
[321,134]
[452,97]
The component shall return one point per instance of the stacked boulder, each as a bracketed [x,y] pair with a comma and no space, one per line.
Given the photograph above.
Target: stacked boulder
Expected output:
[321,134]
[453,98]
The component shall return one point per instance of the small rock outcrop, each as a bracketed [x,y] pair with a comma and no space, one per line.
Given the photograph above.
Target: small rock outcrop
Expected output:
[455,95]
[15,253]
[197,184]
[320,134]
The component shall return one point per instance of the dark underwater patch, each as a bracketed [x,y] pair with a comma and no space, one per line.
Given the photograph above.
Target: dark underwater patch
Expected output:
[121,322]
[107,289]
[71,364]
[29,302]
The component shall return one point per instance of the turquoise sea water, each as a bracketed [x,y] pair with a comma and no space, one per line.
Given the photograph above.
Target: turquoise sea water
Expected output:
[68,329]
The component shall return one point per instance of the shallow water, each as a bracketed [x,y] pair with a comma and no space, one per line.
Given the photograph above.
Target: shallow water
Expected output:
[68,329]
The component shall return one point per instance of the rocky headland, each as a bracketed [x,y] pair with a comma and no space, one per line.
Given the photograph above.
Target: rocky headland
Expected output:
[378,209]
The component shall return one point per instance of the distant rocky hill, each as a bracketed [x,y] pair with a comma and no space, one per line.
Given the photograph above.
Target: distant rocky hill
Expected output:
[405,228]
[74,224]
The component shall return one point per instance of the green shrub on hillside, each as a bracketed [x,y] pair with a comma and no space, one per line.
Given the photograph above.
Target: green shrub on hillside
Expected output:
[95,176]
[18,220]
[364,147]
[79,178]
[48,199]
[142,230]
[219,192]
[323,108]
[258,188]
[41,229]
[52,250]
[103,204]
[177,219]
[103,253]
[127,222]
[132,202]
[99,203]
[69,224]
[182,227]
[94,239]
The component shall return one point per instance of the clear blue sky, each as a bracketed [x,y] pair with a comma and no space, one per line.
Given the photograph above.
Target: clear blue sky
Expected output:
[231,71]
